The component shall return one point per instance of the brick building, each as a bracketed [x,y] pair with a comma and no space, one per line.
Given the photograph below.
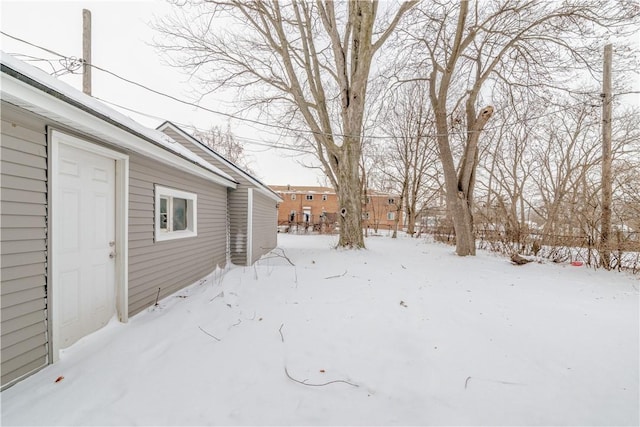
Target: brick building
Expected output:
[318,207]
[380,209]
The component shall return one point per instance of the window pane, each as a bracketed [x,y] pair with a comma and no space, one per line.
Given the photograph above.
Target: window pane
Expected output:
[163,213]
[179,214]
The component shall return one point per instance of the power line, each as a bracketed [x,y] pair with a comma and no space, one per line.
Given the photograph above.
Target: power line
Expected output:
[34,45]
[151,89]
[73,60]
[232,116]
[193,104]
[247,140]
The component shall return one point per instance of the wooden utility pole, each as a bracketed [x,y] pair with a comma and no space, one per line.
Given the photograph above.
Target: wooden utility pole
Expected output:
[86,51]
[605,221]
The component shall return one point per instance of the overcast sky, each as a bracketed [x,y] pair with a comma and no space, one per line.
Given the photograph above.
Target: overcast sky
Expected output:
[121,43]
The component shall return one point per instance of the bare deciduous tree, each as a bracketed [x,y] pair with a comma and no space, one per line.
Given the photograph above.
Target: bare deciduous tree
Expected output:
[506,163]
[408,160]
[305,58]
[224,143]
[465,48]
[566,151]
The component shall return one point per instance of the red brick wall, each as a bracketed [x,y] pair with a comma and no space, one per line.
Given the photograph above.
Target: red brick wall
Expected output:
[317,206]
[375,211]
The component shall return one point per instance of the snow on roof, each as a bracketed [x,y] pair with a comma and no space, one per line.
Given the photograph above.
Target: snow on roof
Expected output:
[39,77]
[214,154]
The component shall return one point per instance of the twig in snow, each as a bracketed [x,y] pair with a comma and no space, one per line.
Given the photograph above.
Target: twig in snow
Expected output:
[317,385]
[214,337]
[236,324]
[274,254]
[304,382]
[221,294]
[284,255]
[403,266]
[466,382]
[336,276]
[157,297]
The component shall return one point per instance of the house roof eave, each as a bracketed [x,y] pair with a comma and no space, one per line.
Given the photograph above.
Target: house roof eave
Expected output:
[260,186]
[32,89]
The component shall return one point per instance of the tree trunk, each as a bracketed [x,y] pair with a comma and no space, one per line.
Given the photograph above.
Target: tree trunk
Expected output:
[456,199]
[463,224]
[396,218]
[411,220]
[460,189]
[349,197]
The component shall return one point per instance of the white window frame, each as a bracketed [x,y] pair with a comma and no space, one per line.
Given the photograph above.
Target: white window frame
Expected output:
[324,197]
[192,214]
[293,197]
[392,201]
[309,197]
[391,216]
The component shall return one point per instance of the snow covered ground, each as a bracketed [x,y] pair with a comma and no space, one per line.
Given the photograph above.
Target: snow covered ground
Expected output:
[410,333]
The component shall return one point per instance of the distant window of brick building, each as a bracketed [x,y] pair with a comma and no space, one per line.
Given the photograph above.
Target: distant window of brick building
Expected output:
[309,196]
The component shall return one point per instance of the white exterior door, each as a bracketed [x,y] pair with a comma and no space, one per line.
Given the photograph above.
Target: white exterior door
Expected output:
[84,243]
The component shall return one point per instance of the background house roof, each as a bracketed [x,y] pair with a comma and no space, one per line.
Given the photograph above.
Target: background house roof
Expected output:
[302,189]
[322,190]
